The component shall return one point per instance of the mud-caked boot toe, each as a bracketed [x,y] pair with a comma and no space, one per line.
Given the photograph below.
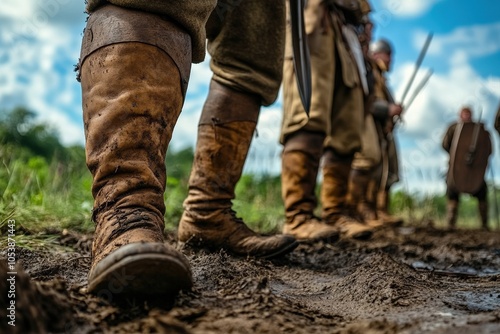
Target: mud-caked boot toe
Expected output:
[389,220]
[311,229]
[382,204]
[140,268]
[244,241]
[221,229]
[350,228]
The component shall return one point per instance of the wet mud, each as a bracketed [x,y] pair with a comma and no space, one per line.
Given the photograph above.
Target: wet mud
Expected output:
[404,280]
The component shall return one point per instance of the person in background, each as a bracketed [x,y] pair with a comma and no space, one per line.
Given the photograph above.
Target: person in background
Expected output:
[452,194]
[375,168]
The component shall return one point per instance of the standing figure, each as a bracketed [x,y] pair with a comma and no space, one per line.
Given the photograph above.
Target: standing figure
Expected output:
[331,131]
[246,44]
[375,168]
[469,146]
[134,69]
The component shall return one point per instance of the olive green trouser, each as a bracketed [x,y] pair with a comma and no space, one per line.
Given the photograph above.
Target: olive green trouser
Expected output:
[245,38]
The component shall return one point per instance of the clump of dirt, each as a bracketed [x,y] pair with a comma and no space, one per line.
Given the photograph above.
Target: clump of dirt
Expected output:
[404,280]
[32,307]
[381,281]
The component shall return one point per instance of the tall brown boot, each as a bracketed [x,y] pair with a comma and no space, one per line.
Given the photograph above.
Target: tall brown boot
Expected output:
[336,211]
[483,212]
[132,96]
[300,164]
[383,210]
[225,131]
[357,200]
[451,214]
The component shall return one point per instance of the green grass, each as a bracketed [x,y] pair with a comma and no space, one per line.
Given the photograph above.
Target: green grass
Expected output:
[421,210]
[45,196]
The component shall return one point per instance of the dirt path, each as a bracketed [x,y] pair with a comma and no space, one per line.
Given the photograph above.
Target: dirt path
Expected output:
[406,280]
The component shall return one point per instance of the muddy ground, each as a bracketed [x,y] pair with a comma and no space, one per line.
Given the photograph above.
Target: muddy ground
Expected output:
[404,280]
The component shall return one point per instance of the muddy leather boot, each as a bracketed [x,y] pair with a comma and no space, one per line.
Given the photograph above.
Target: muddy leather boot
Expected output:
[300,164]
[451,214]
[336,211]
[383,210]
[225,131]
[132,95]
[359,181]
[483,212]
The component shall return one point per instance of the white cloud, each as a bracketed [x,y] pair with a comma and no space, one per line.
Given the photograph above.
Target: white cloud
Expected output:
[407,8]
[36,14]
[473,41]
[39,47]
[16,9]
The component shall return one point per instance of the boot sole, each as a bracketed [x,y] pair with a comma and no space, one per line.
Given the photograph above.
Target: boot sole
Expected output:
[140,269]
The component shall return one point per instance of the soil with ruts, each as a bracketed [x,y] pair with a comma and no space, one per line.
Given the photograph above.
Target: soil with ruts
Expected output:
[404,280]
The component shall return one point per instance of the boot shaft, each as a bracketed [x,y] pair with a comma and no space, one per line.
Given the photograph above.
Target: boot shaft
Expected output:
[132,94]
[335,185]
[358,187]
[225,132]
[126,140]
[383,201]
[299,170]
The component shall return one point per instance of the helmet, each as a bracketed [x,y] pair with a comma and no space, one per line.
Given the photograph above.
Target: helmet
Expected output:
[365,7]
[382,45]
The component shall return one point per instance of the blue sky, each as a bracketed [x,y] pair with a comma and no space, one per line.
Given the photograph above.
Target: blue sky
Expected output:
[40,42]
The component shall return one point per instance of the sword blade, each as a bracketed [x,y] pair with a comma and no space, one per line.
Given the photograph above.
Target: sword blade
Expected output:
[301,58]
[418,89]
[417,66]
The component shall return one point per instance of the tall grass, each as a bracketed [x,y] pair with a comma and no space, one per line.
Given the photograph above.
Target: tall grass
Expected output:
[431,209]
[45,196]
